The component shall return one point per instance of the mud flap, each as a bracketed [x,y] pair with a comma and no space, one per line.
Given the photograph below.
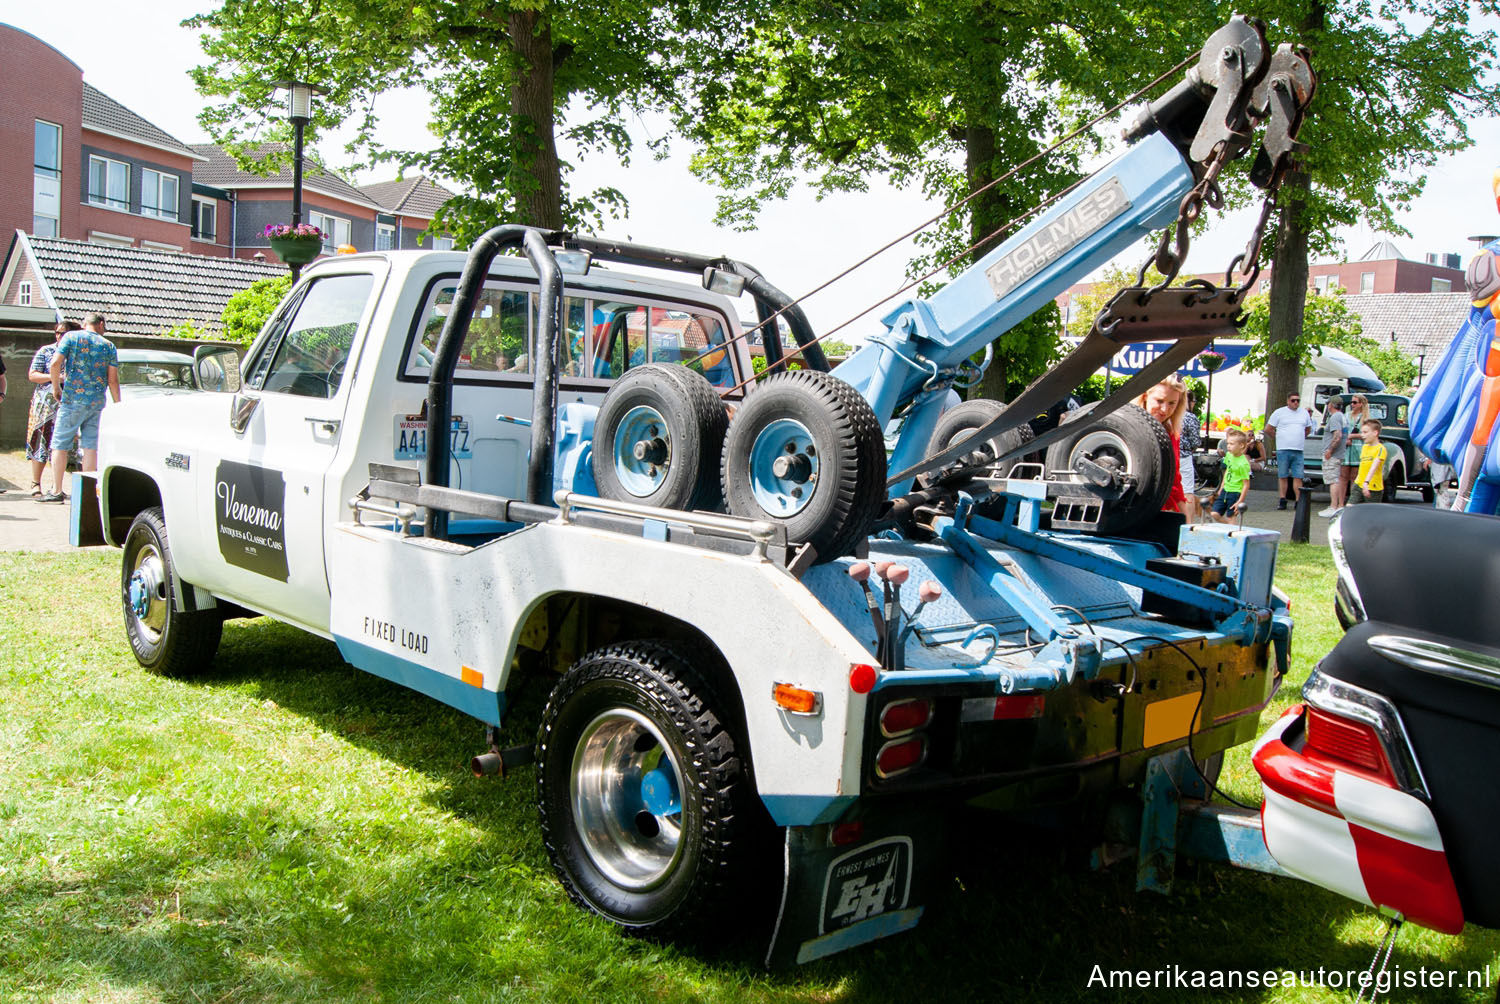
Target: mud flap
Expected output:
[85,527]
[838,896]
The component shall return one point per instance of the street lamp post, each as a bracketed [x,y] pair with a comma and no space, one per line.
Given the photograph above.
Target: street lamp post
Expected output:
[299,110]
[1421,359]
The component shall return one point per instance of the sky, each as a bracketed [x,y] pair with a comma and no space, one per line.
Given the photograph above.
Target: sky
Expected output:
[139,55]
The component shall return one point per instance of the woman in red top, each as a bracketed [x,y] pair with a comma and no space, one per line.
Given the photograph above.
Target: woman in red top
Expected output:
[1167,403]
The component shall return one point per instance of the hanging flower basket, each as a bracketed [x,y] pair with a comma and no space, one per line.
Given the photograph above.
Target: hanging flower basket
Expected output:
[295,245]
[1211,360]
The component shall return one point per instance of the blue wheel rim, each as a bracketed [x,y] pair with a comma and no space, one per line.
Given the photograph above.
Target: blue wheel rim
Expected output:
[641,477]
[783,495]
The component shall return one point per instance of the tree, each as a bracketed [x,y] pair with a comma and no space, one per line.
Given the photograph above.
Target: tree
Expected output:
[943,94]
[1394,94]
[247,311]
[503,78]
[1326,320]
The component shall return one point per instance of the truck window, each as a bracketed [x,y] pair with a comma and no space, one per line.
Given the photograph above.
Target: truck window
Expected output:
[307,353]
[601,338]
[1379,411]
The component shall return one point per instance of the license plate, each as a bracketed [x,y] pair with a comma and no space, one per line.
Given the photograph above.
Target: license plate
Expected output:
[410,438]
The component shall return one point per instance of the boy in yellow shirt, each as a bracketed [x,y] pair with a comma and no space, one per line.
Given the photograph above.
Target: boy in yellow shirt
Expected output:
[1369,483]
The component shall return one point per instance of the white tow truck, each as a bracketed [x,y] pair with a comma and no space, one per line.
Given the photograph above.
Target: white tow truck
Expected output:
[470,471]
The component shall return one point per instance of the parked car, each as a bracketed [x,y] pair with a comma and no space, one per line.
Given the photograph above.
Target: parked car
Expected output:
[1405,466]
[148,372]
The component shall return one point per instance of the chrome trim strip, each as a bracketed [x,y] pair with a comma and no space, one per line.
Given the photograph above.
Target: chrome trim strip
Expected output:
[1346,591]
[1439,659]
[1348,701]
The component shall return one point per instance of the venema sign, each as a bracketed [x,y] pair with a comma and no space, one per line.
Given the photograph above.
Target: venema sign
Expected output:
[250,503]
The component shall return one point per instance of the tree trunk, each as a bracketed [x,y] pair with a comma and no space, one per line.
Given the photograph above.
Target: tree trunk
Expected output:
[1288,291]
[535,181]
[985,214]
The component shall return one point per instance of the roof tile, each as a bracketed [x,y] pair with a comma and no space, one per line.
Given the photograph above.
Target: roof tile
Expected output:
[104,112]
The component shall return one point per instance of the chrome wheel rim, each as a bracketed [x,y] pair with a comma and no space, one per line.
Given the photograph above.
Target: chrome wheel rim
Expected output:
[626,789]
[146,593]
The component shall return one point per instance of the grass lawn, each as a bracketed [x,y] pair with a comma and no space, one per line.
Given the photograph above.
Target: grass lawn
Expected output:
[289,829]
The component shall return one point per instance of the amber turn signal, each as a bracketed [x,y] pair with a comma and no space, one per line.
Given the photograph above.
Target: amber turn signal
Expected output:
[796,700]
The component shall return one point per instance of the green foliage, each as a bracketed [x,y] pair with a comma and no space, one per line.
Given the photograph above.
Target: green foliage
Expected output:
[187,330]
[248,310]
[1326,320]
[1396,369]
[505,79]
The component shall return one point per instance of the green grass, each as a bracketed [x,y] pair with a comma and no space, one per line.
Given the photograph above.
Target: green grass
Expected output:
[289,829]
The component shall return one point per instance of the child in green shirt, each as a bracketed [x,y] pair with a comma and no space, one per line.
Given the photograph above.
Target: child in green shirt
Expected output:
[1233,494]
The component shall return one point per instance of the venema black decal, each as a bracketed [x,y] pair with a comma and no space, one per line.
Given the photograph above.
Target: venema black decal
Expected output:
[250,506]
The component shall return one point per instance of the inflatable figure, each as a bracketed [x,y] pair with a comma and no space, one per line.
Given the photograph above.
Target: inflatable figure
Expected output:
[1455,417]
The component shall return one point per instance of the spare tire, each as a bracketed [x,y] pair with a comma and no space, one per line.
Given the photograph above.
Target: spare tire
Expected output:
[959,422]
[806,450]
[1127,440]
[656,437]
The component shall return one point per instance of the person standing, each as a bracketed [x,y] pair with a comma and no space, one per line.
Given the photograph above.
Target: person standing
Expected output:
[1369,484]
[39,419]
[1287,430]
[1191,439]
[1359,410]
[1335,436]
[93,366]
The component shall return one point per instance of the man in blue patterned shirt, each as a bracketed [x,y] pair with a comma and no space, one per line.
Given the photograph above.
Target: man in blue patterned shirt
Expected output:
[92,366]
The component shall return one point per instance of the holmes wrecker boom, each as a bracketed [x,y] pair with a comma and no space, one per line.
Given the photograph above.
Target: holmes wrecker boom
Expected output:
[721,587]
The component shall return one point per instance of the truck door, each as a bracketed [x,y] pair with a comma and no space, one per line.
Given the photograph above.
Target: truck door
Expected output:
[265,474]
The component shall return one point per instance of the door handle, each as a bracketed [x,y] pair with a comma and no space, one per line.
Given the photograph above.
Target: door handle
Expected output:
[240,409]
[328,425]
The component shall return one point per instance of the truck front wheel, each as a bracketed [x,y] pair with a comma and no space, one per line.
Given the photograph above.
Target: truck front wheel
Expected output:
[164,639]
[641,790]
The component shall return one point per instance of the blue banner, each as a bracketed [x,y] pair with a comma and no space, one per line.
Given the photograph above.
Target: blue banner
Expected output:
[1133,358]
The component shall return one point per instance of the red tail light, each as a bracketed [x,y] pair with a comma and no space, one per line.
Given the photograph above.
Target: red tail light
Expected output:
[900,717]
[900,755]
[1353,744]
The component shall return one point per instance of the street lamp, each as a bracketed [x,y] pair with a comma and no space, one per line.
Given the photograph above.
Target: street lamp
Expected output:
[299,110]
[1421,359]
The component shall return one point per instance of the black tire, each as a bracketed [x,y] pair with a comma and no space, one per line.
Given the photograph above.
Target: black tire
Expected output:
[843,463]
[618,716]
[958,423]
[1126,439]
[1393,484]
[165,640]
[657,435]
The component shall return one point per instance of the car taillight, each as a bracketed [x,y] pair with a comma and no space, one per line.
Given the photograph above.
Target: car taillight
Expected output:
[900,717]
[900,755]
[1355,744]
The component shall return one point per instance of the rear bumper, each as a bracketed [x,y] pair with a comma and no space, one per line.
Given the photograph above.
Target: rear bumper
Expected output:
[1353,835]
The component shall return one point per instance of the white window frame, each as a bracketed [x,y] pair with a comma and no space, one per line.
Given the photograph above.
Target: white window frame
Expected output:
[154,179]
[106,201]
[387,233]
[442,244]
[23,293]
[200,203]
[46,178]
[330,225]
[1367,282]
[1442,285]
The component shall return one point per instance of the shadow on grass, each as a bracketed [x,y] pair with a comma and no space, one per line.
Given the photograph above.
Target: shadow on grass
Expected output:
[280,905]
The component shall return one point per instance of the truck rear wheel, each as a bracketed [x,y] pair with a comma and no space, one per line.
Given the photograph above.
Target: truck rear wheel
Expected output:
[806,450]
[642,791]
[658,433]
[165,640]
[1126,440]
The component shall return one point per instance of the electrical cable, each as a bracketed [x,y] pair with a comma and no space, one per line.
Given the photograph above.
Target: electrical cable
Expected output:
[1192,724]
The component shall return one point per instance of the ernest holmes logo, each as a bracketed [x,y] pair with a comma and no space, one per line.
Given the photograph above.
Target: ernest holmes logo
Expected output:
[867,881]
[1058,237]
[249,506]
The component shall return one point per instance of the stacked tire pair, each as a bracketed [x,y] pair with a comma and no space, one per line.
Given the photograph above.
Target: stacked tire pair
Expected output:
[804,450]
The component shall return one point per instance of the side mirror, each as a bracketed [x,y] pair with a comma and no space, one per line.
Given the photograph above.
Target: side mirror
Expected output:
[217,368]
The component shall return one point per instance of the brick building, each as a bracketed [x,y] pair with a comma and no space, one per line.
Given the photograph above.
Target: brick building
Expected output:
[76,164]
